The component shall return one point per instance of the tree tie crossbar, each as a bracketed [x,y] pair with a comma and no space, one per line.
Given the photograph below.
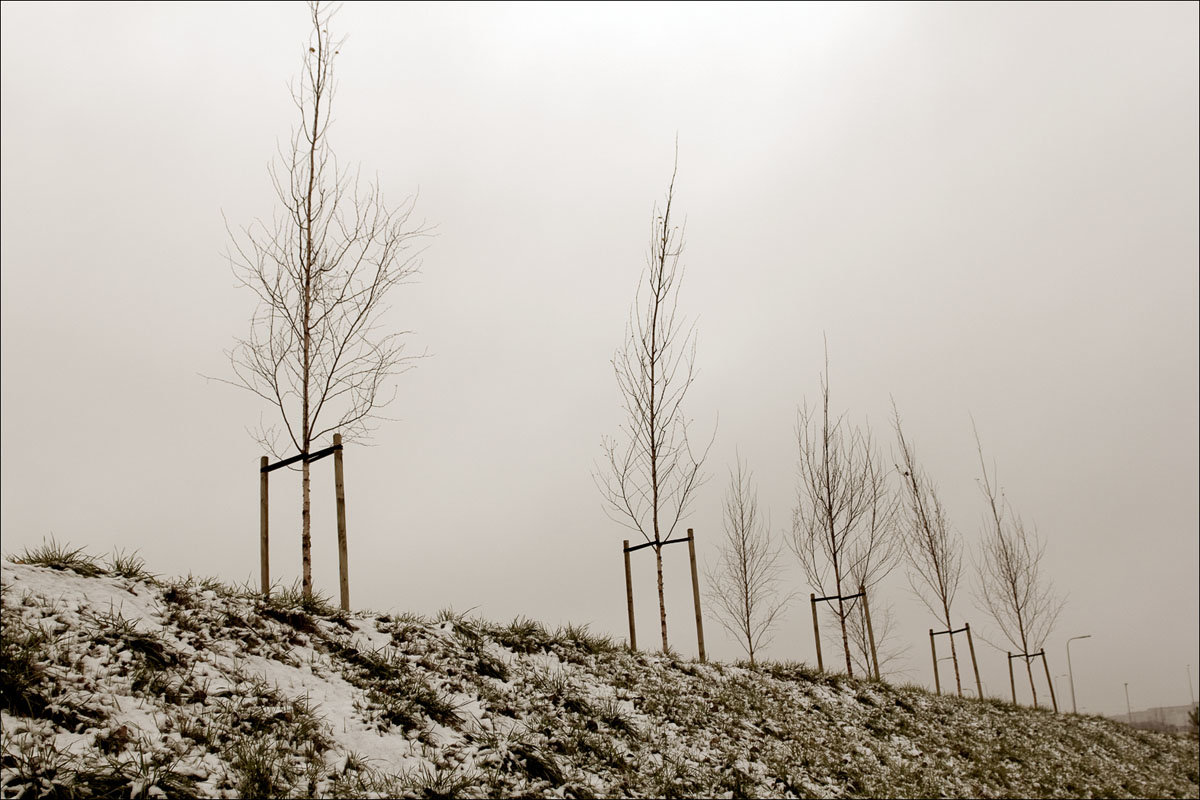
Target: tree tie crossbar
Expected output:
[309,457]
[651,544]
[959,630]
[833,597]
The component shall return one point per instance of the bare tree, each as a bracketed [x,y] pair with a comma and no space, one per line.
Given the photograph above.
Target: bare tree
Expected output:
[744,586]
[1012,587]
[844,520]
[322,269]
[650,473]
[932,549]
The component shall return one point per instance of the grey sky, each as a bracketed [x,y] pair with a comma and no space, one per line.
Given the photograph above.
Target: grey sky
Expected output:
[987,209]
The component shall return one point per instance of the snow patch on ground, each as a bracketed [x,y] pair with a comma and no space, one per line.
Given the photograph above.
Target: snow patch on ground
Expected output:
[191,688]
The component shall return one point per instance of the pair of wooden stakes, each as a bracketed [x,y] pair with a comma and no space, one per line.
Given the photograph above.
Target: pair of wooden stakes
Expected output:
[937,681]
[691,542]
[1012,683]
[265,468]
[862,593]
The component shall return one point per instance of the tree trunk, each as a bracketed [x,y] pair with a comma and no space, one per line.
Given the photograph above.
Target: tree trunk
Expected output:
[662,603]
[845,636]
[954,659]
[1032,688]
[953,649]
[305,533]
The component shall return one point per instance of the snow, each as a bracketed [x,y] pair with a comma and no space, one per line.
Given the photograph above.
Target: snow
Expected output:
[184,687]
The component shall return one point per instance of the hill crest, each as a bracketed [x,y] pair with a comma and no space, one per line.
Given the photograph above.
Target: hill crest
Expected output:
[118,683]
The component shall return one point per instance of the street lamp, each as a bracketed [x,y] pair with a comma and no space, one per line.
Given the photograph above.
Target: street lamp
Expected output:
[1070,673]
[1128,712]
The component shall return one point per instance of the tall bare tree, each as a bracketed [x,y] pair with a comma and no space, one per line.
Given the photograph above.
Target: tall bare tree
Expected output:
[843,525]
[650,473]
[1012,586]
[322,268]
[745,584]
[932,549]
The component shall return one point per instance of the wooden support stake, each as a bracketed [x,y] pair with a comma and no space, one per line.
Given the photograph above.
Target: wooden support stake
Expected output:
[870,631]
[816,632]
[937,681]
[629,598]
[1053,699]
[691,539]
[264,548]
[1012,683]
[974,663]
[339,485]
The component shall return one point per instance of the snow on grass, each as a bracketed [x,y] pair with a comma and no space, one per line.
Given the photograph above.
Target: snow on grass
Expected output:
[133,686]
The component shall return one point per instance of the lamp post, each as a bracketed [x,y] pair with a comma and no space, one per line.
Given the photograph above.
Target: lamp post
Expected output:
[1128,712]
[1070,674]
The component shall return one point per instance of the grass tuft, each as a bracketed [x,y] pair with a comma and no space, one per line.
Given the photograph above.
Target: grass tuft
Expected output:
[62,557]
[291,598]
[262,767]
[131,566]
[524,635]
[23,650]
[585,640]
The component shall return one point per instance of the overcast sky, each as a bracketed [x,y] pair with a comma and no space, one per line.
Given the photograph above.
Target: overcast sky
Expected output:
[988,210]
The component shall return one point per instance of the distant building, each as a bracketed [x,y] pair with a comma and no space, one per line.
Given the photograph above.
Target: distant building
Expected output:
[1163,718]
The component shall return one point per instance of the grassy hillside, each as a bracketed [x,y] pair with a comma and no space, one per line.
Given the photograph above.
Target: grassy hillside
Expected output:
[118,684]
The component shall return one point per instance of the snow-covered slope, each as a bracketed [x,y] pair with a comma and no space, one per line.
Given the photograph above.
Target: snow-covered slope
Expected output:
[130,686]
